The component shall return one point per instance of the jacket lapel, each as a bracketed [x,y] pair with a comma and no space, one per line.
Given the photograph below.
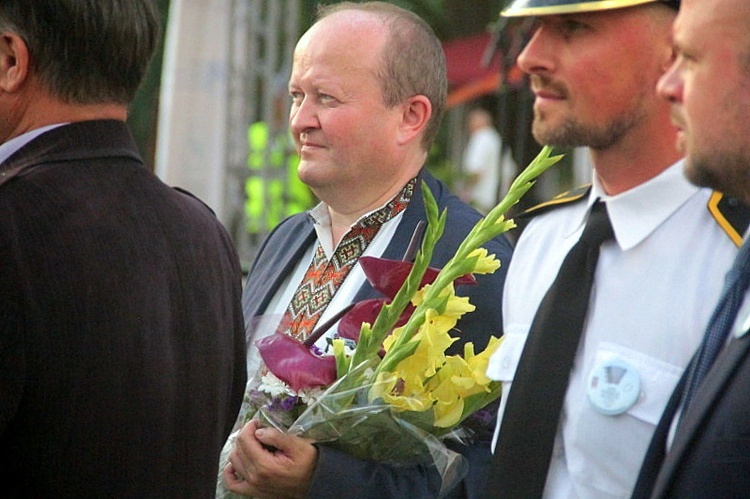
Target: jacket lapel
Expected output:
[276,260]
[702,405]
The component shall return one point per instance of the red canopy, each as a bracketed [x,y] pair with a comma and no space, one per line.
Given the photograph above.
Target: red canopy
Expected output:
[467,77]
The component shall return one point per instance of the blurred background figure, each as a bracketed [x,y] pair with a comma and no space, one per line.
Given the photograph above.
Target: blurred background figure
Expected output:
[273,190]
[482,160]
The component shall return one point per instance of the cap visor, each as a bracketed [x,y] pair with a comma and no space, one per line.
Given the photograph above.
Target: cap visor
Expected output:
[543,8]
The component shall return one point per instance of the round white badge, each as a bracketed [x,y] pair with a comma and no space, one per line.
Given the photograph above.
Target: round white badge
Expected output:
[613,387]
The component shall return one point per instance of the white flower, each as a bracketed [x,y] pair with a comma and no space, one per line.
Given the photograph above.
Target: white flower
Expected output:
[273,386]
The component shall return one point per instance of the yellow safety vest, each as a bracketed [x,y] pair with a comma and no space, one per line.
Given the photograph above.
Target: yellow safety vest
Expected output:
[270,200]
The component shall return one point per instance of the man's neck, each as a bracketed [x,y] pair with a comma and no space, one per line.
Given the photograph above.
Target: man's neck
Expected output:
[344,217]
[636,160]
[43,110]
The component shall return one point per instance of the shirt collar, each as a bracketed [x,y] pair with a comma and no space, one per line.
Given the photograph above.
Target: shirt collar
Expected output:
[8,148]
[321,219]
[638,212]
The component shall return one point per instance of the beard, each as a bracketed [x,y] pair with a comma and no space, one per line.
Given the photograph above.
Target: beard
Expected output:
[573,133]
[725,171]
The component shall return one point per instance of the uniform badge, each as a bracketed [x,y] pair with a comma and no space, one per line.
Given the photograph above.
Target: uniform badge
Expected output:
[613,387]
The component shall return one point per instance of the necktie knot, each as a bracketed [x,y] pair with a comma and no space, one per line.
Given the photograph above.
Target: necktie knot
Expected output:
[598,227]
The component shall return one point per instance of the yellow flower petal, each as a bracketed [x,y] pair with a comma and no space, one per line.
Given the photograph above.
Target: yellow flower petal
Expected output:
[485,264]
[448,414]
[478,363]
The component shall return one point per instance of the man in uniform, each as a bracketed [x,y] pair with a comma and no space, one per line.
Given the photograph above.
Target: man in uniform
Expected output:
[593,68]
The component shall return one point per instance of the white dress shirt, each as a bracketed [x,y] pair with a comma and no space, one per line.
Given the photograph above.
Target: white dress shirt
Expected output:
[654,291]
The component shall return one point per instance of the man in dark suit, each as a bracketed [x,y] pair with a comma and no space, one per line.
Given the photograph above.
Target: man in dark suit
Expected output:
[701,447]
[122,359]
[368,90]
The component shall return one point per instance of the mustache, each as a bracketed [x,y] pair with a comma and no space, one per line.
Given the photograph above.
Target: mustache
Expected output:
[541,83]
[676,117]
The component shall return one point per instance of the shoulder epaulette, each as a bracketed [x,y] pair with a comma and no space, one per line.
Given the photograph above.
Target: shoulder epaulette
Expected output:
[565,198]
[732,215]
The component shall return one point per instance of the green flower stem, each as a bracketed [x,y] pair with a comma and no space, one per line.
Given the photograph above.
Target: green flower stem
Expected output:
[371,338]
[487,228]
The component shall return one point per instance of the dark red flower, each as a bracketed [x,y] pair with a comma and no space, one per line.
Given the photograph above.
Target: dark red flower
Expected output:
[387,276]
[293,362]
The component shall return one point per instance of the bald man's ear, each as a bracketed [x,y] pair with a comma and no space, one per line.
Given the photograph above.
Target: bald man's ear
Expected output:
[14,62]
[416,114]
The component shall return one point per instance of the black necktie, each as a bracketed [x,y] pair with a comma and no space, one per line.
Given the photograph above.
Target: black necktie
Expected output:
[720,324]
[529,425]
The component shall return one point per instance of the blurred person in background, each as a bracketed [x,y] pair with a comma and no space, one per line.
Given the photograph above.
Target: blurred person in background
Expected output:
[482,164]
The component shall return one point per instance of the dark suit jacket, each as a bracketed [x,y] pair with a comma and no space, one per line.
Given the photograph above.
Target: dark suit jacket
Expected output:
[122,357]
[710,454]
[339,475]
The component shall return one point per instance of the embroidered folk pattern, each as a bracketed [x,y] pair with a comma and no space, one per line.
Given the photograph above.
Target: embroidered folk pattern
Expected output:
[324,277]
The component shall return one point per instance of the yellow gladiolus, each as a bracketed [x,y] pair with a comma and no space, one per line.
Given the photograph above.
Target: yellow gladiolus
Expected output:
[382,386]
[456,306]
[434,340]
[485,264]
[448,414]
[478,363]
[449,387]
[447,303]
[403,390]
[391,338]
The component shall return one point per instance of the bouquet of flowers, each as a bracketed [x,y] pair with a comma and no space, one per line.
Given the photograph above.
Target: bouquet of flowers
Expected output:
[389,375]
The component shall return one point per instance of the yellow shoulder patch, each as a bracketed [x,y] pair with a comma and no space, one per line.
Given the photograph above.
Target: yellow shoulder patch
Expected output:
[563,198]
[731,214]
[523,219]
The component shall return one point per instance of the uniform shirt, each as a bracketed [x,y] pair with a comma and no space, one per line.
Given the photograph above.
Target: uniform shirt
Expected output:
[654,291]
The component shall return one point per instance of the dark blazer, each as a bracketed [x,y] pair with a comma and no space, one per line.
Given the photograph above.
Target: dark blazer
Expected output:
[122,356]
[339,475]
[710,454]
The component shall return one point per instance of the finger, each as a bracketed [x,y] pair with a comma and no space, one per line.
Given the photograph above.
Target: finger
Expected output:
[230,475]
[248,444]
[242,467]
[234,482]
[289,445]
[274,439]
